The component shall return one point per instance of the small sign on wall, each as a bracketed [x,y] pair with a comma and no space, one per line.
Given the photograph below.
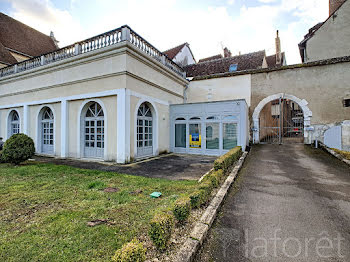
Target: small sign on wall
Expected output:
[195,140]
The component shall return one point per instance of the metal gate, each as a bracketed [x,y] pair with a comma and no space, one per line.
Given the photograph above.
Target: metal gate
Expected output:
[281,121]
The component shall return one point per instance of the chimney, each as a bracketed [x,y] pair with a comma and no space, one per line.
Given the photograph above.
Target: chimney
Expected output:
[334,5]
[54,39]
[278,49]
[227,53]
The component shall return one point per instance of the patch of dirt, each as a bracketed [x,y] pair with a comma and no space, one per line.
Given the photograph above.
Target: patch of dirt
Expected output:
[111,189]
[97,222]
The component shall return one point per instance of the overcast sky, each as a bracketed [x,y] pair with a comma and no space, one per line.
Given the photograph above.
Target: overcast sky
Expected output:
[207,25]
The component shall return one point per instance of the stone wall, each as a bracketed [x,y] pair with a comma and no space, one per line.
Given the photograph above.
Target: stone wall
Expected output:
[321,89]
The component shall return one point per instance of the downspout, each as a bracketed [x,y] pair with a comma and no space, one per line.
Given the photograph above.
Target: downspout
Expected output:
[185,93]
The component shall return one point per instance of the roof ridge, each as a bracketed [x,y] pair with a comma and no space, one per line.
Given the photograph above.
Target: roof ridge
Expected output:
[175,47]
[227,58]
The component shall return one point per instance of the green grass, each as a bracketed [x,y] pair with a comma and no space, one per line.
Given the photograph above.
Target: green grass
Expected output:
[44,210]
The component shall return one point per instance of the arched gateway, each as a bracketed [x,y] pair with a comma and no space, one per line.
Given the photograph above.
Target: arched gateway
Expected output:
[279,118]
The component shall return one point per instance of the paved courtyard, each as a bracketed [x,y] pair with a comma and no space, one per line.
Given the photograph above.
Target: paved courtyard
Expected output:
[290,203]
[171,166]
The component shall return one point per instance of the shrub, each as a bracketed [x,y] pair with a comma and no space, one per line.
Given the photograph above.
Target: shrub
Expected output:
[220,174]
[198,198]
[160,229]
[1,158]
[214,178]
[18,148]
[224,162]
[206,187]
[182,209]
[130,252]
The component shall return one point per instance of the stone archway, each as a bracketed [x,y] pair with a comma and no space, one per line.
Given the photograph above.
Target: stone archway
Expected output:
[301,102]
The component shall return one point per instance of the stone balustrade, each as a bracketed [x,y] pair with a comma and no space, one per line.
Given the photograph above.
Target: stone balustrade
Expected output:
[124,33]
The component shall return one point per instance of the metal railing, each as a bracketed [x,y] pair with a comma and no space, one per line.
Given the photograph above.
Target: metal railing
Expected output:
[124,33]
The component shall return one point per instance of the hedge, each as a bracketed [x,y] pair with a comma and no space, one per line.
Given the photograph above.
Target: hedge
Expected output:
[226,161]
[130,252]
[182,209]
[160,229]
[199,198]
[18,148]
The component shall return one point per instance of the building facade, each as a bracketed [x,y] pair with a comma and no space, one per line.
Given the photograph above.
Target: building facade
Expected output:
[331,38]
[115,97]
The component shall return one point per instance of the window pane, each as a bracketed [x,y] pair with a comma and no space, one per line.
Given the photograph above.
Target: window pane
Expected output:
[230,136]
[180,135]
[195,136]
[212,135]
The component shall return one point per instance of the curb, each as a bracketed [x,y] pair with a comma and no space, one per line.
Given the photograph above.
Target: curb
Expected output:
[335,154]
[189,249]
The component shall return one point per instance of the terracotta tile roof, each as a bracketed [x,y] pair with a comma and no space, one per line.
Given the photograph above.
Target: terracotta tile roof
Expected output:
[171,53]
[23,39]
[222,65]
[6,57]
[271,61]
[210,58]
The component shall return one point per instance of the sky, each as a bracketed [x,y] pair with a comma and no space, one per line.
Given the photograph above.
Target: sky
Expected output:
[207,25]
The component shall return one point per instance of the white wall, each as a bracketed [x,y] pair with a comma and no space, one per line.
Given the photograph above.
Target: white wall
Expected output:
[184,57]
[220,89]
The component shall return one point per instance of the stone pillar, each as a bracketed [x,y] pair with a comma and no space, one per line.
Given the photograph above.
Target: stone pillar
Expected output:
[123,126]
[25,120]
[125,34]
[64,128]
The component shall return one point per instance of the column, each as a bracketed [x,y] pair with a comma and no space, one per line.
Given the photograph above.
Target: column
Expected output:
[64,128]
[123,126]
[25,120]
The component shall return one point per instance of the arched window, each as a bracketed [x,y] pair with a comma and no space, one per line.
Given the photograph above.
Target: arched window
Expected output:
[195,118]
[47,131]
[213,118]
[94,131]
[180,119]
[144,131]
[14,122]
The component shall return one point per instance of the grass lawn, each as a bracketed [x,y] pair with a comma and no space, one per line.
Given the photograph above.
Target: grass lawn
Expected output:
[44,210]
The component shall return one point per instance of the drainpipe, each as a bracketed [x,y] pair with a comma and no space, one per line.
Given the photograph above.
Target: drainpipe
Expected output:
[185,94]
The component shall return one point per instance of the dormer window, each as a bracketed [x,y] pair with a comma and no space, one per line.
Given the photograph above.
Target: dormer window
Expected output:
[233,68]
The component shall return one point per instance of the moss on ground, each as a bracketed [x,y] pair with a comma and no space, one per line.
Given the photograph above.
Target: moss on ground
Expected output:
[345,154]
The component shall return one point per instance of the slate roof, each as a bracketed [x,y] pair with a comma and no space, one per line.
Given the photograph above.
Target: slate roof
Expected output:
[171,53]
[23,39]
[271,61]
[210,58]
[244,62]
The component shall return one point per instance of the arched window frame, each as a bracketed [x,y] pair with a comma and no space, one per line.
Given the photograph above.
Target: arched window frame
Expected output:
[14,126]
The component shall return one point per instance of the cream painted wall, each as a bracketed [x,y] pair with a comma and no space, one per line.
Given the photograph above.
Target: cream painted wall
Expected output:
[63,78]
[162,132]
[74,138]
[34,129]
[333,38]
[114,69]
[4,116]
[220,89]
[149,72]
[323,87]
